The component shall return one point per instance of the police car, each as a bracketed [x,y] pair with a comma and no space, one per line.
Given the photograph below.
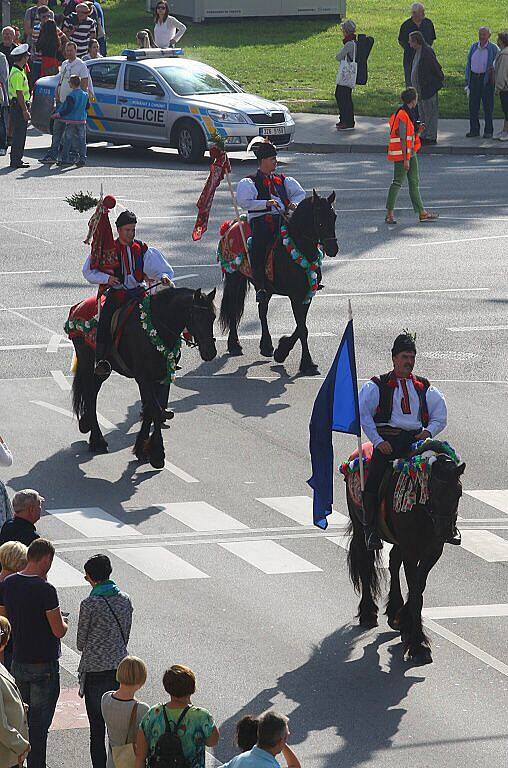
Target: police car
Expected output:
[157,98]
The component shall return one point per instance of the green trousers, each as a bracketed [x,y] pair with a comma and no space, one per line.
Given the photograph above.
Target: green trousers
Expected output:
[413,179]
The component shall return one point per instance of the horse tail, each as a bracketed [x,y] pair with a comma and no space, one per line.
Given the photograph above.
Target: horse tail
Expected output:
[361,562]
[78,387]
[232,305]
[74,363]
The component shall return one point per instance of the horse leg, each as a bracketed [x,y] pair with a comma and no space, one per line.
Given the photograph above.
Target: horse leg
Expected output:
[416,644]
[266,345]
[307,365]
[97,442]
[420,650]
[395,599]
[142,445]
[362,571]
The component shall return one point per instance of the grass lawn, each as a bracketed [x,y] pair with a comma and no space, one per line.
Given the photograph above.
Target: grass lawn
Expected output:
[294,60]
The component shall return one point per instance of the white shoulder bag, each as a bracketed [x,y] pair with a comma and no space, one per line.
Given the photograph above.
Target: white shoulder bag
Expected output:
[346,75]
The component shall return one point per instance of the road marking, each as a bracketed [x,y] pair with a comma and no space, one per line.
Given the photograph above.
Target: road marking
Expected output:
[27,272]
[158,563]
[393,293]
[201,516]
[69,659]
[70,711]
[480,328]
[421,243]
[343,543]
[19,232]
[19,347]
[179,473]
[28,319]
[54,343]
[63,177]
[56,408]
[431,205]
[486,545]
[3,308]
[299,509]
[497,499]
[184,277]
[62,574]
[93,522]
[194,266]
[61,380]
[256,336]
[468,647]
[466,611]
[269,557]
[292,379]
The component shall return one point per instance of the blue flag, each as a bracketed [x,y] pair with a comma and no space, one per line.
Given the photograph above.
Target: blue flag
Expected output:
[335,410]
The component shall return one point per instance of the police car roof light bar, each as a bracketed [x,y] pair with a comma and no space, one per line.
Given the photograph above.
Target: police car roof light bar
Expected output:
[151,53]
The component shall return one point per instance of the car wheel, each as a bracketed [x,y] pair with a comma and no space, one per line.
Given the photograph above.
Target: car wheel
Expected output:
[190,141]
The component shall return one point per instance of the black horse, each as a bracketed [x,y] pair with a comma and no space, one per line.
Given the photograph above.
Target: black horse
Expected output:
[312,223]
[420,534]
[172,311]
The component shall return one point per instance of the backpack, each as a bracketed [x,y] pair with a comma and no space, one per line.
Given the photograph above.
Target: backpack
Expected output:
[364,45]
[168,751]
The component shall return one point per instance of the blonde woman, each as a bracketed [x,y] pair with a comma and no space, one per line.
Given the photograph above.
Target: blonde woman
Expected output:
[12,560]
[14,745]
[121,711]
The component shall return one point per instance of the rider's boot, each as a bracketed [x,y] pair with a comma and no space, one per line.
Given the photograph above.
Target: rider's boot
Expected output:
[370,507]
[102,367]
[455,538]
[261,295]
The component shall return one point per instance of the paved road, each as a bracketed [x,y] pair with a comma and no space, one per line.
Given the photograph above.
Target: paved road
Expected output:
[217,550]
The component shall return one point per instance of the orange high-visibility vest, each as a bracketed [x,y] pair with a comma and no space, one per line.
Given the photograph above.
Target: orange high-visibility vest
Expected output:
[413,143]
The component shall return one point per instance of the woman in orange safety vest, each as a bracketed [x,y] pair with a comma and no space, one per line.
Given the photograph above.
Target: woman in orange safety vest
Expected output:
[402,152]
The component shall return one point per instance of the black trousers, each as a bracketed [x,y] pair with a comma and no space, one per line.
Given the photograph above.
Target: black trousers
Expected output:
[109,307]
[344,98]
[19,126]
[401,444]
[96,685]
[264,231]
[480,93]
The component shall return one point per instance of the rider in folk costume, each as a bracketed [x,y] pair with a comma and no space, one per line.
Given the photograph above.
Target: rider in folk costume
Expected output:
[265,196]
[121,268]
[396,409]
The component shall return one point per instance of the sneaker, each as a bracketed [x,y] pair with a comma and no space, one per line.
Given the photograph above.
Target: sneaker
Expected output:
[472,135]
[20,165]
[503,136]
[487,135]
[343,127]
[80,163]
[48,160]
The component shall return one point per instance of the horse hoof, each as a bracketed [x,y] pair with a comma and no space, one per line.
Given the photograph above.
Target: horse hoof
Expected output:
[283,349]
[266,350]
[235,350]
[368,622]
[100,446]
[394,623]
[84,425]
[309,370]
[420,658]
[157,463]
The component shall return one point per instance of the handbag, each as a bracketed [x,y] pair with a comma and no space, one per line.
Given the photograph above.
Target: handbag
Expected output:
[348,70]
[124,755]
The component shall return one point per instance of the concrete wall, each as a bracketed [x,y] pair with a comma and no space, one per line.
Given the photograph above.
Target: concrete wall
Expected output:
[202,10]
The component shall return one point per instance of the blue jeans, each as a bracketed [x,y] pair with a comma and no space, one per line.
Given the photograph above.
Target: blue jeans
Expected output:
[39,685]
[74,142]
[480,92]
[56,140]
[4,112]
[96,685]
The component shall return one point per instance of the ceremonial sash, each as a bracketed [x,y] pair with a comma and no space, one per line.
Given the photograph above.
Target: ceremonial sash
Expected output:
[125,268]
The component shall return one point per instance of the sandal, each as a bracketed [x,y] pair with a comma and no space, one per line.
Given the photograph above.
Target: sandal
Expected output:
[429,216]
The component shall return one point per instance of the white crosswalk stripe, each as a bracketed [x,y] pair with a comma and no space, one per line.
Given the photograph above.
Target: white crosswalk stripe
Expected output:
[486,545]
[269,557]
[200,516]
[93,522]
[497,499]
[299,509]
[62,574]
[158,563]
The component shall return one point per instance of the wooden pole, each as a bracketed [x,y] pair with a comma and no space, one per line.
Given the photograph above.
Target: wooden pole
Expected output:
[360,452]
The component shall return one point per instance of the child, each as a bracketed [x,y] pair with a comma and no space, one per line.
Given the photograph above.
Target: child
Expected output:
[73,112]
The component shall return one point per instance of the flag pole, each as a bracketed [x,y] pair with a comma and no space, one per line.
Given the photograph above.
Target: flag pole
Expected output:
[360,452]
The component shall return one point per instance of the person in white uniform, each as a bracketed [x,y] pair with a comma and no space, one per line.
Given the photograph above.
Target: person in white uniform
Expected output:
[135,263]
[396,409]
[264,196]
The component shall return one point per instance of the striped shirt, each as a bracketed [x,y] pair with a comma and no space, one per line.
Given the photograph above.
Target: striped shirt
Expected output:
[80,33]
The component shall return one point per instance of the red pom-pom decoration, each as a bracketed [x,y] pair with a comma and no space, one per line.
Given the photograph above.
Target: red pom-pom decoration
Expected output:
[109,201]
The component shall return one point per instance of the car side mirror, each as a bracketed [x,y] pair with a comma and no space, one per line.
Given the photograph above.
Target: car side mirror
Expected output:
[152,89]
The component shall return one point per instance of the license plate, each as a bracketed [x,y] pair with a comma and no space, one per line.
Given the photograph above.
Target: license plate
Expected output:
[272,131]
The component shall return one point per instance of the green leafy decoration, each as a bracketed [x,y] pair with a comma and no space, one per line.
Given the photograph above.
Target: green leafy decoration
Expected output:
[219,141]
[82,201]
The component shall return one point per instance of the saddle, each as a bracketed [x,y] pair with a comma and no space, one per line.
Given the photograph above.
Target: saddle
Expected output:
[231,251]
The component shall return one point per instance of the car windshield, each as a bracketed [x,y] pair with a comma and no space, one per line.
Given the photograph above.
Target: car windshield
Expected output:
[190,82]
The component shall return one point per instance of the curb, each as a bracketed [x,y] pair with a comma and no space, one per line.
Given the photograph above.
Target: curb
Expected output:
[361,149]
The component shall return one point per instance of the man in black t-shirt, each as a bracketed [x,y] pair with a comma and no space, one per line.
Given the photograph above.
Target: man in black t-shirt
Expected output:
[27,506]
[417,23]
[31,605]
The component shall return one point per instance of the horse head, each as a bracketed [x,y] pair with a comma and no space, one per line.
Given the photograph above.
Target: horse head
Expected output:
[324,217]
[445,493]
[200,323]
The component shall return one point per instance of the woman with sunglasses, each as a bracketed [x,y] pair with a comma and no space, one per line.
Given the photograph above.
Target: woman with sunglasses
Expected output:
[167,30]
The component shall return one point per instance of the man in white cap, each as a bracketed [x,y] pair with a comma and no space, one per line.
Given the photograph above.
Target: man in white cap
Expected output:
[19,97]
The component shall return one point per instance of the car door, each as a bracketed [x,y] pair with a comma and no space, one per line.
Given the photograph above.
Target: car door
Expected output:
[142,104]
[103,111]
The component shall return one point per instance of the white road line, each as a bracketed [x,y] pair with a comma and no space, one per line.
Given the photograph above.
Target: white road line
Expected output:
[270,557]
[466,611]
[486,545]
[54,343]
[431,205]
[421,243]
[468,647]
[18,347]
[201,516]
[179,473]
[28,319]
[194,266]
[3,308]
[322,295]
[64,412]
[184,277]
[229,376]
[256,336]
[158,563]
[93,522]
[497,499]
[27,272]
[299,509]
[64,177]
[34,237]
[343,542]
[480,328]
[62,574]
[61,380]
[69,660]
